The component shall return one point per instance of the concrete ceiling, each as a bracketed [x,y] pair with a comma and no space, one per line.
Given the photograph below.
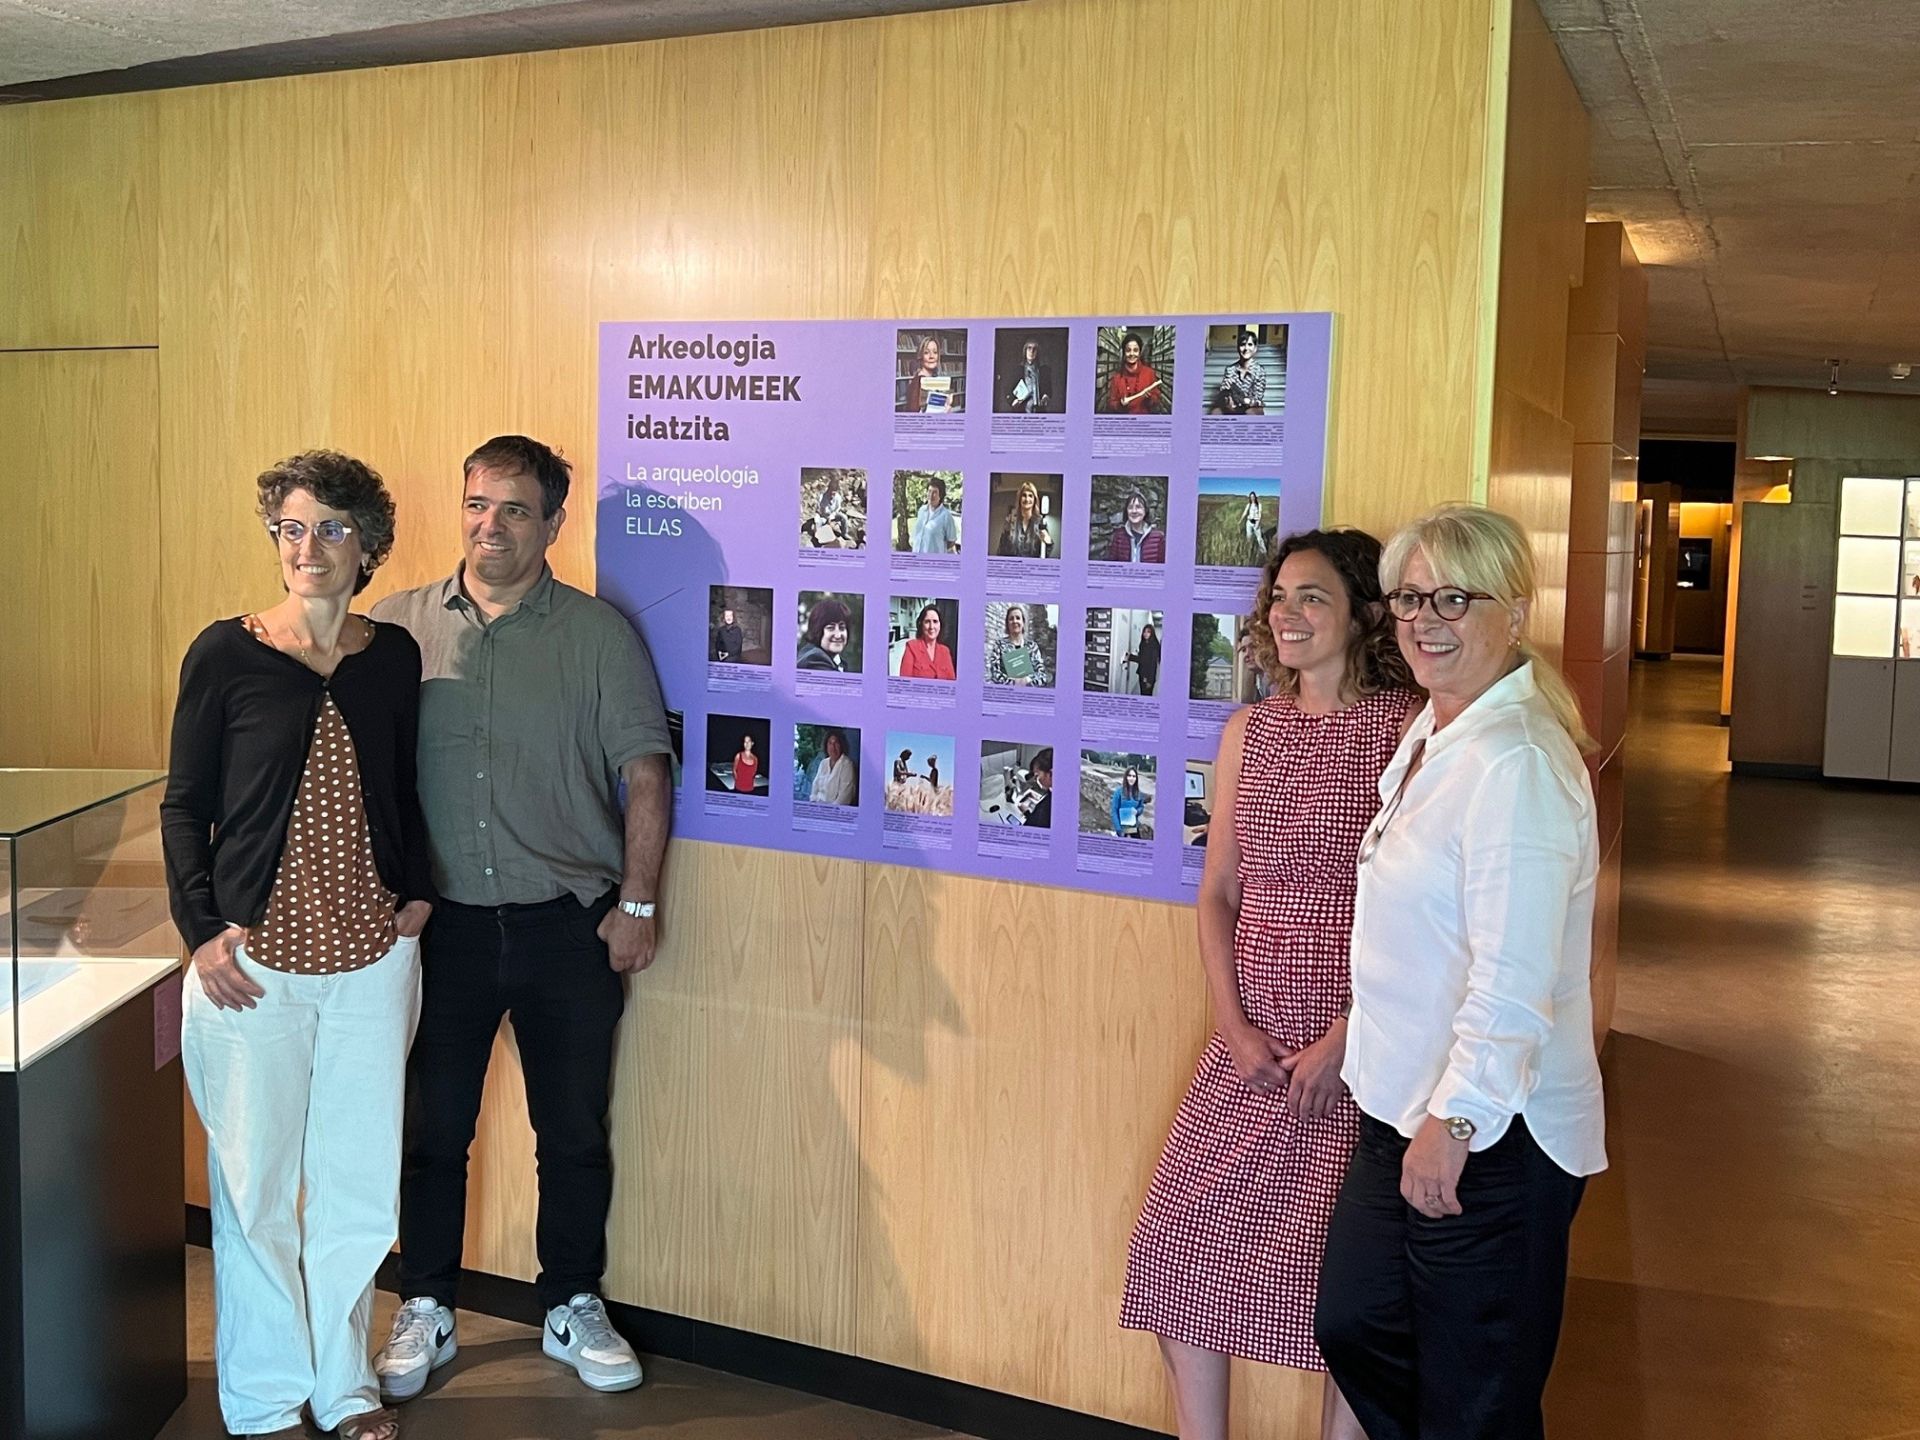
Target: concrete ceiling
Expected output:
[1765,158]
[50,49]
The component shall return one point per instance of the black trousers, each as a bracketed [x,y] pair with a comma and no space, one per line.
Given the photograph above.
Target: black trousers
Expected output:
[1445,1329]
[544,966]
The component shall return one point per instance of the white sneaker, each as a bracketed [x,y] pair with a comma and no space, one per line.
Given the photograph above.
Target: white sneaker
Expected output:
[580,1334]
[423,1340]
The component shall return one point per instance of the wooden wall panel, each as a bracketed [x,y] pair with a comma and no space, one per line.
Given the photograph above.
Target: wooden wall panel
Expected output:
[77,253]
[1530,478]
[1529,462]
[1543,216]
[737,1098]
[1565,420]
[1027,1050]
[862,1107]
[332,267]
[81,651]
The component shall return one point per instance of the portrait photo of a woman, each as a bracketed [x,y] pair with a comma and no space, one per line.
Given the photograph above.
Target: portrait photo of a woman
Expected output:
[1127,524]
[923,651]
[1016,654]
[739,754]
[829,634]
[1128,806]
[1024,533]
[1027,366]
[1135,371]
[933,365]
[826,765]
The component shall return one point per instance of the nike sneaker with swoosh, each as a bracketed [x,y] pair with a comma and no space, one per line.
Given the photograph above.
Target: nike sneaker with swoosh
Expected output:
[579,1334]
[423,1340]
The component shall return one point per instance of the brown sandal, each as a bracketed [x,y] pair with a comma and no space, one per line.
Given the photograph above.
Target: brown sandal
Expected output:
[382,1424]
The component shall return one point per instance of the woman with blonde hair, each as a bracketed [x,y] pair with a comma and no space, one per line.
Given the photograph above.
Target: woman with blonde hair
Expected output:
[1470,1044]
[1225,1259]
[920,386]
[1025,532]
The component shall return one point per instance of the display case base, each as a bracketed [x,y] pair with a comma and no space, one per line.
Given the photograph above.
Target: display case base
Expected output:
[92,1286]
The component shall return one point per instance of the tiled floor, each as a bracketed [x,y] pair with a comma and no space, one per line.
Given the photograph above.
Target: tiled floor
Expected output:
[502,1388]
[1750,1265]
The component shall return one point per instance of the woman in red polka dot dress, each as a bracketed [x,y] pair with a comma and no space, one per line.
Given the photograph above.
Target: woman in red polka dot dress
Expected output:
[1225,1258]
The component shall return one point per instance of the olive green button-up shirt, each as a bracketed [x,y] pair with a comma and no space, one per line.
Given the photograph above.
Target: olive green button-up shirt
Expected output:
[525,722]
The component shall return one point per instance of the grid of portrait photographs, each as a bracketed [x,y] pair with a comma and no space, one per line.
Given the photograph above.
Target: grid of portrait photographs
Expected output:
[1024,644]
[1039,585]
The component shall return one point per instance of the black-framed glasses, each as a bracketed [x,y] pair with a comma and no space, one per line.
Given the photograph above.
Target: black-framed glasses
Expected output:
[327,532]
[1449,602]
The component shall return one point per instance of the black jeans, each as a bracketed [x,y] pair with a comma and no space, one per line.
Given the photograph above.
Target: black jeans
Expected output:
[1445,1329]
[544,966]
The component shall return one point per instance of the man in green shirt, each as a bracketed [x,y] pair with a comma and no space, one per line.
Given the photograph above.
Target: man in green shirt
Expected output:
[538,703]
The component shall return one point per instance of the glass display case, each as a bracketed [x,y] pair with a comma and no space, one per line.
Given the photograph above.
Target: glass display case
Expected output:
[84,902]
[91,1205]
[1873,673]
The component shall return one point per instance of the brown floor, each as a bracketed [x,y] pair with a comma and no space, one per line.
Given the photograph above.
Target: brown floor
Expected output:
[1750,1265]
[501,1387]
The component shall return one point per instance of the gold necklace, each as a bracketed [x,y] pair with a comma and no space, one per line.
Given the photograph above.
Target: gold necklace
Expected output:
[305,658]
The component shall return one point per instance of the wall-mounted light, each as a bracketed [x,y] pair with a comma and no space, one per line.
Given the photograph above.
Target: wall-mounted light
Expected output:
[1900,370]
[1833,377]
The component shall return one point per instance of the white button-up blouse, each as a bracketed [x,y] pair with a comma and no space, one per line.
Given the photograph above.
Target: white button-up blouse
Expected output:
[1473,932]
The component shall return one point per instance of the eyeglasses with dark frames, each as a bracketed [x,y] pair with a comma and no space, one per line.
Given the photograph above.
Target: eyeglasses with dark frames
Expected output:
[1449,602]
[327,532]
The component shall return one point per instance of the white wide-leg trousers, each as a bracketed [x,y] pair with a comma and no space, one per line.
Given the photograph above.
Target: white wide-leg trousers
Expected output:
[302,1093]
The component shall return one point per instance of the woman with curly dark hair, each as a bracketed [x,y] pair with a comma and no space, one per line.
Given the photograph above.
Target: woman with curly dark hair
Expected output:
[298,872]
[1225,1258]
[823,644]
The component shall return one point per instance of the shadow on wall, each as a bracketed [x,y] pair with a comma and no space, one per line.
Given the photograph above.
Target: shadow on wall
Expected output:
[897,999]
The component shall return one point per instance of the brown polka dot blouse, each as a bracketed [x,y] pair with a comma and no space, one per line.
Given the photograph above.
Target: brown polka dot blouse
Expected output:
[328,913]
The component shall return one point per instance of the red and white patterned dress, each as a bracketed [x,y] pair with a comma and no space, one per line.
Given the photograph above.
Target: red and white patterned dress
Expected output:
[1226,1253]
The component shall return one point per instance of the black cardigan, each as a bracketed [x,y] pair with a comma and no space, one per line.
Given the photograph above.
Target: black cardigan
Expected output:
[241,730]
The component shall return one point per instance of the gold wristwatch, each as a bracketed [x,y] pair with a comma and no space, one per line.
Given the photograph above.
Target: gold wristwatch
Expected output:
[1459,1127]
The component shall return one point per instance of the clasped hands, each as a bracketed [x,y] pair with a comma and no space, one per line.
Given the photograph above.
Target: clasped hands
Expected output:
[1309,1078]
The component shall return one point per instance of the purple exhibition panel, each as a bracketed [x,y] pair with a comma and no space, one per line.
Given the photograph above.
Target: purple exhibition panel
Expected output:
[964,594]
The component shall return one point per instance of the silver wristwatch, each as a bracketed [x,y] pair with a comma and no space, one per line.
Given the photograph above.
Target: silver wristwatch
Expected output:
[639,909]
[1459,1127]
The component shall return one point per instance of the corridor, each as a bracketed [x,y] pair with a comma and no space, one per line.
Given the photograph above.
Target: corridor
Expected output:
[1749,1266]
